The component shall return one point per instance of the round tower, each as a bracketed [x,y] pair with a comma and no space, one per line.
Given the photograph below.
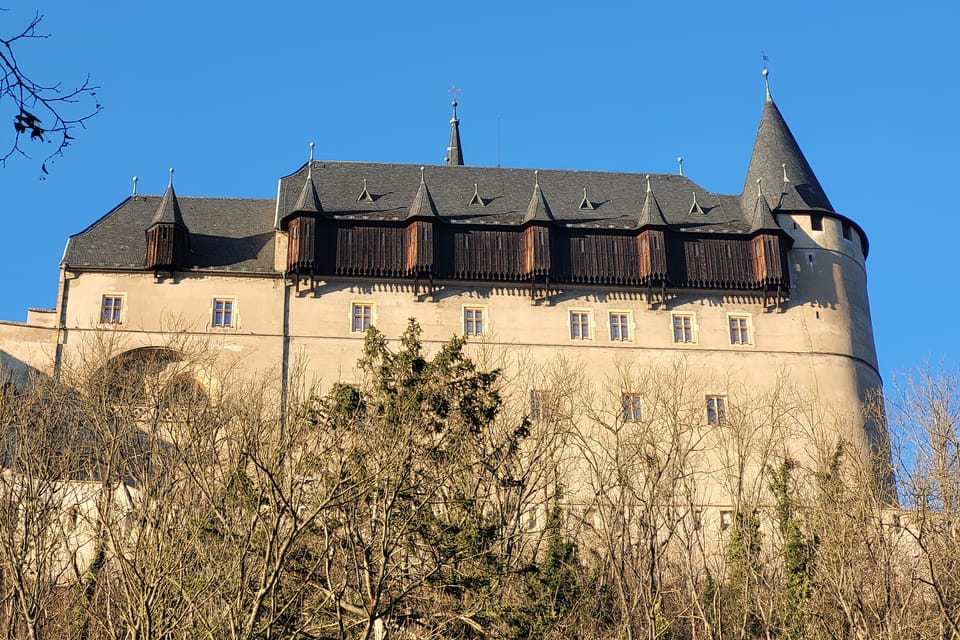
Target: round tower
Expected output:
[828,308]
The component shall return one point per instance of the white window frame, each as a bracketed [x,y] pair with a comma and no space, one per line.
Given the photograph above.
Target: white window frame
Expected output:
[746,327]
[585,321]
[484,319]
[370,317]
[716,409]
[692,328]
[233,312]
[120,314]
[628,327]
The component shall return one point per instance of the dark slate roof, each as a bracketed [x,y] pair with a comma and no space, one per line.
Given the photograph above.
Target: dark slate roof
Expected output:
[226,234]
[775,147]
[617,197]
[169,209]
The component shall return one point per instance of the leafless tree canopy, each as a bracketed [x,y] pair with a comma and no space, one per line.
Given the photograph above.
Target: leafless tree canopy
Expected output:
[141,498]
[43,113]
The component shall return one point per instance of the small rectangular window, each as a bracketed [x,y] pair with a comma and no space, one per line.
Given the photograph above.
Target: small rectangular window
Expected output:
[111,310]
[222,312]
[847,231]
[683,327]
[541,405]
[632,407]
[579,325]
[619,326]
[716,410]
[739,329]
[816,222]
[473,321]
[362,315]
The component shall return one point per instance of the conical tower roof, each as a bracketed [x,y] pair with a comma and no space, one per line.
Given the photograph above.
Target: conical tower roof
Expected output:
[454,151]
[777,159]
[762,217]
[309,200]
[422,205]
[651,213]
[169,209]
[538,210]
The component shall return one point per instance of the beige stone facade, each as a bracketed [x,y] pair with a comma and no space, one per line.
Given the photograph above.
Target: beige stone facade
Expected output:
[734,342]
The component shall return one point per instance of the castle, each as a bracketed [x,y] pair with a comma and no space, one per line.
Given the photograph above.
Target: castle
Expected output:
[598,267]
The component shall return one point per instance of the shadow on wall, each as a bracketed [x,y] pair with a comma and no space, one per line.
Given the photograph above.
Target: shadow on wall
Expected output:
[16,372]
[806,267]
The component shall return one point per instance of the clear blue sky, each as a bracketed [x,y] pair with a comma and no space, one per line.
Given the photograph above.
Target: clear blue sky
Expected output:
[230,94]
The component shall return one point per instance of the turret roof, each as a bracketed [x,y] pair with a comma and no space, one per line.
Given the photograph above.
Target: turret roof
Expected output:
[777,160]
[168,212]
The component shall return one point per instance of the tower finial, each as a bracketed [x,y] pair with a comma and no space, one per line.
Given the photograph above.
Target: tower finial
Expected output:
[766,82]
[422,169]
[680,162]
[134,185]
[785,178]
[170,184]
[536,178]
[454,90]
[759,187]
[649,189]
[310,163]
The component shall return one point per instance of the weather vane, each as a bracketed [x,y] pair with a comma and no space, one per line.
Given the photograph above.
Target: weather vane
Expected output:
[763,54]
[454,90]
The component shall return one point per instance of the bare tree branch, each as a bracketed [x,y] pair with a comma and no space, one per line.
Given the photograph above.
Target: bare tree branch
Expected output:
[44,113]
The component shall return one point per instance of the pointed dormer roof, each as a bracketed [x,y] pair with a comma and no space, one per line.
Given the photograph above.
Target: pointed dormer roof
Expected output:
[538,210]
[762,217]
[169,210]
[309,200]
[776,155]
[422,205]
[454,152]
[651,213]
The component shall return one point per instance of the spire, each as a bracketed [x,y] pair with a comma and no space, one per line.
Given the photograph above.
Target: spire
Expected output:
[651,213]
[309,201]
[422,204]
[777,154]
[169,209]
[538,209]
[454,152]
[762,217]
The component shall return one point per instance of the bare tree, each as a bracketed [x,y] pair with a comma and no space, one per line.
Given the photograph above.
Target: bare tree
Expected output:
[42,112]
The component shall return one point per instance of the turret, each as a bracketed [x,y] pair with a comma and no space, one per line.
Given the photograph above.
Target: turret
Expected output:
[536,235]
[418,241]
[168,239]
[822,251]
[301,226]
[651,241]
